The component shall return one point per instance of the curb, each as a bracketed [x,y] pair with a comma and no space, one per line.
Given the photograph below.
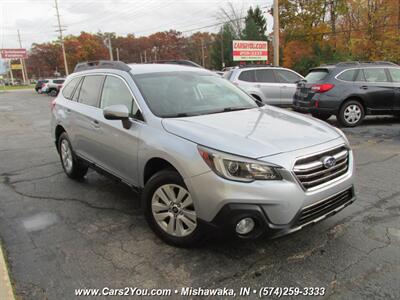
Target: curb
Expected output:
[6,290]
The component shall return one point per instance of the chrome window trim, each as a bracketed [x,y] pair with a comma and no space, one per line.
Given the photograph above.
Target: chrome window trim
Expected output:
[366,67]
[127,85]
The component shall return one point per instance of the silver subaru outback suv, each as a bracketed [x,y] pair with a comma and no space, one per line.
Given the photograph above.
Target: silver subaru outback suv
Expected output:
[204,155]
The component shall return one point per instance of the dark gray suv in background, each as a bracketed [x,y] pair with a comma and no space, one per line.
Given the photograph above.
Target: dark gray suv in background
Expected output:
[350,90]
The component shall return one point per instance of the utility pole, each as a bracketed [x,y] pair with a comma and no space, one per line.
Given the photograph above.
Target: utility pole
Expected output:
[22,61]
[110,47]
[60,30]
[276,32]
[202,53]
[117,49]
[222,49]
[11,74]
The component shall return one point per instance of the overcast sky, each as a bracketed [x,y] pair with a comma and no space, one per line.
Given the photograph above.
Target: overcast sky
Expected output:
[37,22]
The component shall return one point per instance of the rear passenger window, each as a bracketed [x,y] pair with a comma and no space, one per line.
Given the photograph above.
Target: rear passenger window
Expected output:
[265,76]
[90,90]
[116,92]
[69,88]
[395,73]
[348,75]
[77,90]
[247,76]
[285,76]
[375,75]
[360,76]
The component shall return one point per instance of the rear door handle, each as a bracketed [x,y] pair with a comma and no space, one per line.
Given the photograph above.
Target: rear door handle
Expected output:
[68,110]
[364,87]
[96,123]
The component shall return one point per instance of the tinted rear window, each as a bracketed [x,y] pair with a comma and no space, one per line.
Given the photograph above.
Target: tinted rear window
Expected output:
[316,75]
[59,81]
[247,76]
[348,75]
[286,76]
[90,89]
[69,88]
[395,73]
[375,75]
[265,76]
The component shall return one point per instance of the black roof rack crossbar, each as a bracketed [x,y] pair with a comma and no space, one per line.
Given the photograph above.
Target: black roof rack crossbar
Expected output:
[102,64]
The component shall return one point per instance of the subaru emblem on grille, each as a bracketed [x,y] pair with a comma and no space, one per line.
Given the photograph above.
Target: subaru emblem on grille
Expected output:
[329,161]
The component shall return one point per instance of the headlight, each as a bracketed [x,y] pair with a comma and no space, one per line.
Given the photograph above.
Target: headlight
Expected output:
[238,168]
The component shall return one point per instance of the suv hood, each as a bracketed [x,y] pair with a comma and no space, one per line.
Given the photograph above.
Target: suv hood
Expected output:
[254,132]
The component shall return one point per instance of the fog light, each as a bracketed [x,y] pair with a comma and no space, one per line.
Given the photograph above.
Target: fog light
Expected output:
[244,226]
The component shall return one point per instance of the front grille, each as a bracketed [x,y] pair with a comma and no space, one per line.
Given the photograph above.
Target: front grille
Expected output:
[314,211]
[311,172]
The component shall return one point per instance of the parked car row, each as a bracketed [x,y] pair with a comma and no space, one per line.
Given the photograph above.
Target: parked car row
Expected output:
[348,90]
[50,86]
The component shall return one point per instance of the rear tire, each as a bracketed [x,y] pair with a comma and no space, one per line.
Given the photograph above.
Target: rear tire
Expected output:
[169,210]
[321,116]
[73,167]
[53,93]
[351,114]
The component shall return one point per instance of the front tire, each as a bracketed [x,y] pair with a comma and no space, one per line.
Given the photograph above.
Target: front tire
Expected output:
[74,168]
[170,211]
[351,114]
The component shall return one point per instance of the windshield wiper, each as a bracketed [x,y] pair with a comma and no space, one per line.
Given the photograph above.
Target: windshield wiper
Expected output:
[236,108]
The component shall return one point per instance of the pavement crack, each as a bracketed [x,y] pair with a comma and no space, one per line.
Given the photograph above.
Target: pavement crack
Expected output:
[6,181]
[16,172]
[36,178]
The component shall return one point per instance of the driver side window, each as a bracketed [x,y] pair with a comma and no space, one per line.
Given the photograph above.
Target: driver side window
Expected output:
[116,92]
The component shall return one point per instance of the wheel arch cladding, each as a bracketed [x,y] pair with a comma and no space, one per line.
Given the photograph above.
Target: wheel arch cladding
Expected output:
[154,165]
[354,98]
[59,130]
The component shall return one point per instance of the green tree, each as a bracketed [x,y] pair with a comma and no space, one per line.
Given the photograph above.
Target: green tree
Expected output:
[255,25]
[221,52]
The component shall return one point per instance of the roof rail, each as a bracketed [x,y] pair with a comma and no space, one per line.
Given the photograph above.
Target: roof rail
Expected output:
[101,64]
[343,63]
[255,66]
[183,62]
[380,62]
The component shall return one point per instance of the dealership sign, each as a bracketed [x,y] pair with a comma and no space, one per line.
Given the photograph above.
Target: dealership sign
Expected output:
[13,53]
[250,50]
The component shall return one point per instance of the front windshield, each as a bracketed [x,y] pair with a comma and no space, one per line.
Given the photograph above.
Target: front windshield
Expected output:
[179,94]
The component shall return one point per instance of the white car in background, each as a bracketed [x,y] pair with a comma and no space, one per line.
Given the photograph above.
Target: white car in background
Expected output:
[271,85]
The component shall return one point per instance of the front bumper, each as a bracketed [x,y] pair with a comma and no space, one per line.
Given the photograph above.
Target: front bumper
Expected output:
[277,204]
[227,218]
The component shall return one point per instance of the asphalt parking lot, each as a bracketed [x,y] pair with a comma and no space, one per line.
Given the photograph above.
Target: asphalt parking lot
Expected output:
[60,235]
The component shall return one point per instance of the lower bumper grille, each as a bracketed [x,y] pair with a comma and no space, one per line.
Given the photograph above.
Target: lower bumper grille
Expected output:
[314,211]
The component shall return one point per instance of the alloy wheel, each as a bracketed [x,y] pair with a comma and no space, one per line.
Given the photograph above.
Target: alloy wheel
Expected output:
[66,155]
[173,210]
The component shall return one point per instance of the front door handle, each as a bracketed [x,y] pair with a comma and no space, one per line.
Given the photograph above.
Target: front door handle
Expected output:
[364,87]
